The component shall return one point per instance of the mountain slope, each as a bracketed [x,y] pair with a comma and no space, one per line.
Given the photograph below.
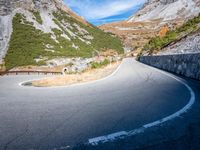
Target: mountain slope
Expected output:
[35,31]
[184,39]
[167,10]
[154,17]
[188,44]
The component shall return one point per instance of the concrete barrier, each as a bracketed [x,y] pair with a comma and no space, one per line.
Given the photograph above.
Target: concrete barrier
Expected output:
[183,64]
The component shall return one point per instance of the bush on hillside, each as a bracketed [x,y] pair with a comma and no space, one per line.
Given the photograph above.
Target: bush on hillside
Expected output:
[95,65]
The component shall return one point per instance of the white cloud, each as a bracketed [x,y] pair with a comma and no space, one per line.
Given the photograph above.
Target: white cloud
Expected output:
[99,9]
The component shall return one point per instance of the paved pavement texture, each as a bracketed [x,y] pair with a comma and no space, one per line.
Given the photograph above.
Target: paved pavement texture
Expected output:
[61,117]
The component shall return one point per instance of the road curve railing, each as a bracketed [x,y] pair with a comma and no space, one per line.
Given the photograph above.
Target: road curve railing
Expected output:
[29,73]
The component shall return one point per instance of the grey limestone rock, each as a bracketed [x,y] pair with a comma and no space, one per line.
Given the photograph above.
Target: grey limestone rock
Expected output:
[183,64]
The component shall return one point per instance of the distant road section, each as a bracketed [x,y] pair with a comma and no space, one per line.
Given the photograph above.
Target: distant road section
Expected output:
[55,118]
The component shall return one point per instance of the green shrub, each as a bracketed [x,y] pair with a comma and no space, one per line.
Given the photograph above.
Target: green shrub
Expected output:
[41,63]
[95,65]
[37,16]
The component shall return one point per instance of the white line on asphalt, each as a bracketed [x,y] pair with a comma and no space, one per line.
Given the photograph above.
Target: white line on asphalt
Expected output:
[77,84]
[123,134]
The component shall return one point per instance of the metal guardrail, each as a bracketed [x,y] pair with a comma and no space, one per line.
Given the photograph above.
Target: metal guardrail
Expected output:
[29,73]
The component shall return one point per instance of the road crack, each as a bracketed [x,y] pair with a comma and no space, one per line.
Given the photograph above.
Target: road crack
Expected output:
[16,138]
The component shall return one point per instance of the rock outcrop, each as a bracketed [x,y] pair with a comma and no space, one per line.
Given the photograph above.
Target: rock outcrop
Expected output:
[167,10]
[189,44]
[5,7]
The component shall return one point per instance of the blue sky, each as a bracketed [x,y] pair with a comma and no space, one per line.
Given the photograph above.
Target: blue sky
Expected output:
[103,11]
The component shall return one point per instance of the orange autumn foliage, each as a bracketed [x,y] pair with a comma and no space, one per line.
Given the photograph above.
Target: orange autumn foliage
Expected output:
[163,31]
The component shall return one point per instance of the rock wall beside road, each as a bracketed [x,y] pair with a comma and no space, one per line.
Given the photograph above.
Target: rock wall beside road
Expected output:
[183,64]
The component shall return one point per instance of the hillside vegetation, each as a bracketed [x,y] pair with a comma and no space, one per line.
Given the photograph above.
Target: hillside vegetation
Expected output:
[157,43]
[28,43]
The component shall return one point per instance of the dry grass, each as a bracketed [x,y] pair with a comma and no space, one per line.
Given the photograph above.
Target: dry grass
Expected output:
[87,76]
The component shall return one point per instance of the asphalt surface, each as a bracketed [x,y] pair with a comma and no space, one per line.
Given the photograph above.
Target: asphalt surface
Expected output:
[55,118]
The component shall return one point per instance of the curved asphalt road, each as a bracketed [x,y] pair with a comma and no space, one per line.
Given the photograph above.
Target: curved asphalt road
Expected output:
[48,118]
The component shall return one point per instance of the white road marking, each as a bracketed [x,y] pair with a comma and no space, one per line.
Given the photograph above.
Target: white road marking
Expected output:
[77,84]
[123,134]
[109,137]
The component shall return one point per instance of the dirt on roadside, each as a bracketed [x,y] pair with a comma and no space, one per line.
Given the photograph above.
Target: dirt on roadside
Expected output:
[87,76]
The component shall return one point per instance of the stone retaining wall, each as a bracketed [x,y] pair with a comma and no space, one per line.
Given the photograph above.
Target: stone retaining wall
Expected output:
[184,64]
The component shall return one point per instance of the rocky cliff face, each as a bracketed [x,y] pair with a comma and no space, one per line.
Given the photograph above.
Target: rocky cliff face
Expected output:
[51,5]
[151,19]
[34,31]
[167,10]
[189,44]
